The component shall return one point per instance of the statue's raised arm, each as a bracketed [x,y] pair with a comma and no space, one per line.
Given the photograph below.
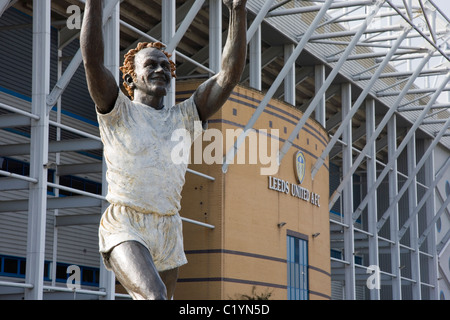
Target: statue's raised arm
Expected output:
[101,83]
[212,94]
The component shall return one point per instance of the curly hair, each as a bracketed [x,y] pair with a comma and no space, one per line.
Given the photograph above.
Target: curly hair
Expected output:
[129,66]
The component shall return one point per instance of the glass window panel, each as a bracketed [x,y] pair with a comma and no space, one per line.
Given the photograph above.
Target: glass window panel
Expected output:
[297,268]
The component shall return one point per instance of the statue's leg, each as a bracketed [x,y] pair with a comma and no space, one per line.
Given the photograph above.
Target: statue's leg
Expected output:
[135,270]
[170,278]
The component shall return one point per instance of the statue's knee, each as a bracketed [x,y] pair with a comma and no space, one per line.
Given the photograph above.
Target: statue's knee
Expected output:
[155,291]
[161,293]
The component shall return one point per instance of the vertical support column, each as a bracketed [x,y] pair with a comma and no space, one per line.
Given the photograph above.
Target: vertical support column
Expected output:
[255,60]
[372,201]
[215,35]
[289,81]
[430,212]
[56,175]
[414,231]
[169,8]
[347,159]
[408,41]
[111,31]
[112,41]
[319,79]
[107,281]
[37,205]
[394,224]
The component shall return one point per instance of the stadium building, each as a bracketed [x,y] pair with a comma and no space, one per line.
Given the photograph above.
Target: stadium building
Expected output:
[326,175]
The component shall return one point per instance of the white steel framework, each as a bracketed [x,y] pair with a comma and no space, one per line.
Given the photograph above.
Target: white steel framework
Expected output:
[379,72]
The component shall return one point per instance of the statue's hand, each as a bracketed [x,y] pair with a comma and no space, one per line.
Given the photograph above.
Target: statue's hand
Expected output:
[235,4]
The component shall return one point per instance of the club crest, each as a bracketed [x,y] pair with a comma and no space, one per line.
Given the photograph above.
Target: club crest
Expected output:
[300,166]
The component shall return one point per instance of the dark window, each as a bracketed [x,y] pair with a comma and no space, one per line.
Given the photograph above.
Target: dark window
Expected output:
[10,266]
[61,272]
[88,275]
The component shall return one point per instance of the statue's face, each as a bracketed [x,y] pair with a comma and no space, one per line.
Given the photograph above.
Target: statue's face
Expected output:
[153,74]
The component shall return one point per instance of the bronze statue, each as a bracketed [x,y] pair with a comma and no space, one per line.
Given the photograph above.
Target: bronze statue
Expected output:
[140,232]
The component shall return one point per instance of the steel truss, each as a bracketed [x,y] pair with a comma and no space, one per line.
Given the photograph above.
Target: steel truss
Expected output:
[393,55]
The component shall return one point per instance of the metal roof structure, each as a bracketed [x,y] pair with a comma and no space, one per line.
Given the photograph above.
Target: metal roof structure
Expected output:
[374,73]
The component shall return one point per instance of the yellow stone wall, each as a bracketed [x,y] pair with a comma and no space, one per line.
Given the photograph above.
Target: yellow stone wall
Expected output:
[247,249]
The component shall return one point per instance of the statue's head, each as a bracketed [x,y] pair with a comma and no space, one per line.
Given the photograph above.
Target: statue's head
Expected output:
[148,68]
